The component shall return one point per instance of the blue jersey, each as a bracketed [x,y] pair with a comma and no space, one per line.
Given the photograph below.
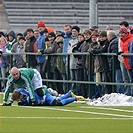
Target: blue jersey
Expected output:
[45,100]
[26,97]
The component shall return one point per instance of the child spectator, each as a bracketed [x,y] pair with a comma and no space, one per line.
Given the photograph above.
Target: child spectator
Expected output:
[60,63]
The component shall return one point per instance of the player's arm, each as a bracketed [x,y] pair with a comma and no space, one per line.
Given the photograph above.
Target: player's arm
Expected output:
[6,93]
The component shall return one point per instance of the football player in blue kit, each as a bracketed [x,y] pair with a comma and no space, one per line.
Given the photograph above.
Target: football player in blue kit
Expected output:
[23,98]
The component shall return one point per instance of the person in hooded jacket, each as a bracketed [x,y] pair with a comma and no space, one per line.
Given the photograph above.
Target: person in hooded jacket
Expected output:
[11,38]
[11,41]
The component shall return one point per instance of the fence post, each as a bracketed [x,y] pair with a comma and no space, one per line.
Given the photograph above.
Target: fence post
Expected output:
[90,74]
[28,59]
[113,72]
[68,72]
[48,68]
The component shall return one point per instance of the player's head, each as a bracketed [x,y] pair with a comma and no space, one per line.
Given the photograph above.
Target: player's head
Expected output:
[17,96]
[15,73]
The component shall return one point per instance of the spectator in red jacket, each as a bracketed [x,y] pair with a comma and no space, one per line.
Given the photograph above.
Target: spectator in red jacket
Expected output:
[125,40]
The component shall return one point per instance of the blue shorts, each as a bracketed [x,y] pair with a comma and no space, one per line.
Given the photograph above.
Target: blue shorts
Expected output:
[49,99]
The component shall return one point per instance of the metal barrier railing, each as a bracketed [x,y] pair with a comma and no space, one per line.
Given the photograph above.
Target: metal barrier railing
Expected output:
[89,82]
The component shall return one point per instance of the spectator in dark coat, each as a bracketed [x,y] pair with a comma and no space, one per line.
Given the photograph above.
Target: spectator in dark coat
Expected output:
[101,63]
[81,90]
[113,48]
[29,47]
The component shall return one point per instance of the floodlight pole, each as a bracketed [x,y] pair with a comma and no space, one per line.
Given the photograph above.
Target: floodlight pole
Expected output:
[93,13]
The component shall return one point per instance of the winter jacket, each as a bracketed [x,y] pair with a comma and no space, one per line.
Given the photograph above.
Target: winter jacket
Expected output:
[3,60]
[18,60]
[124,44]
[78,49]
[53,58]
[11,42]
[41,46]
[101,61]
[113,48]
[89,64]
[29,48]
[67,38]
[60,63]
[72,44]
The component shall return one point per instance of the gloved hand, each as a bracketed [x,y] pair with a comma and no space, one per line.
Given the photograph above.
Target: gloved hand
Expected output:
[120,52]
[91,50]
[41,51]
[7,104]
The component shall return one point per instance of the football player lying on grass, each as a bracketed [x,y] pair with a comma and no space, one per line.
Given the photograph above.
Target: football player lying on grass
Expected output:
[23,98]
[45,91]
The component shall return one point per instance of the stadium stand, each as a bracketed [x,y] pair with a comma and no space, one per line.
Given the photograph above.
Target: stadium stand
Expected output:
[56,13]
[114,12]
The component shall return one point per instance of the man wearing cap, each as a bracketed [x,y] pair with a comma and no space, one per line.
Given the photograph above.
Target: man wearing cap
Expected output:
[41,46]
[101,62]
[94,28]
[18,47]
[54,73]
[125,40]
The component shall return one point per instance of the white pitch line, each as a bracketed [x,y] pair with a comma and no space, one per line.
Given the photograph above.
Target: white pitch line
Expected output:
[108,109]
[79,111]
[70,118]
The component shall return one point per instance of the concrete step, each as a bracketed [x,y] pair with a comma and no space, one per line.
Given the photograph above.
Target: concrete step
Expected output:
[4,24]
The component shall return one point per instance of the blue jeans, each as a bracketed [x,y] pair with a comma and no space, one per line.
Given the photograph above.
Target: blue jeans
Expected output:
[119,79]
[127,78]
[3,75]
[73,76]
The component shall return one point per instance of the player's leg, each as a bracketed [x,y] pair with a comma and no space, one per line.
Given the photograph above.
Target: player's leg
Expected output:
[49,99]
[37,83]
[68,100]
[67,95]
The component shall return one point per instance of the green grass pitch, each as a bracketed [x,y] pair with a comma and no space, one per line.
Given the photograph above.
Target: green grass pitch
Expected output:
[72,118]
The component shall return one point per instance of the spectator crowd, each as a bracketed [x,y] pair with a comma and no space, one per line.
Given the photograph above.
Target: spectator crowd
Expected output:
[70,63]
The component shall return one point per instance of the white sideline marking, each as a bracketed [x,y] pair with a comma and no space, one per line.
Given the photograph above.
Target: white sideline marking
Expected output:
[108,109]
[70,118]
[79,111]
